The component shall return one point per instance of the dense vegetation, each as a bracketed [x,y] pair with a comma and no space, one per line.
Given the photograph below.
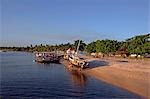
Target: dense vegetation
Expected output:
[104,46]
[135,45]
[138,44]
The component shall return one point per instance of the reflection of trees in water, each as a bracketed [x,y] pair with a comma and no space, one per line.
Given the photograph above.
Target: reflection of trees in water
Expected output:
[77,77]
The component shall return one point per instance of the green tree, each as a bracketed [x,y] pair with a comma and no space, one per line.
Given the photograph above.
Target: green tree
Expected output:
[91,47]
[107,46]
[138,44]
[82,45]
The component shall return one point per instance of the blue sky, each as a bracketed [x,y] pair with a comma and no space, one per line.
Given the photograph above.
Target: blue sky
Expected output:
[26,22]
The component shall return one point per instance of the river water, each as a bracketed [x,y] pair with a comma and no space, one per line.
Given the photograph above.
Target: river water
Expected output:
[23,78]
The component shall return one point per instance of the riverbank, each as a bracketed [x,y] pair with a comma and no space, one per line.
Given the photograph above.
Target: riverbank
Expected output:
[129,74]
[132,75]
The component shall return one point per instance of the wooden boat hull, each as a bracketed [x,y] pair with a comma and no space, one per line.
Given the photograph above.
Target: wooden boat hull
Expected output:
[78,63]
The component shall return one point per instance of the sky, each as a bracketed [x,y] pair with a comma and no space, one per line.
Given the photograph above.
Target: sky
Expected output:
[25,22]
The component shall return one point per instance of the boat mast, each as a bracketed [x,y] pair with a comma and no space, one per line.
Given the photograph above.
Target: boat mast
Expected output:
[78,47]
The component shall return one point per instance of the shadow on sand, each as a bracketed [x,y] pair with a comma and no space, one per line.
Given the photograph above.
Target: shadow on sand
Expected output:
[97,63]
[122,61]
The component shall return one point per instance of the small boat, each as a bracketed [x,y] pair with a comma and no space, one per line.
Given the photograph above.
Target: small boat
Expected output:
[47,57]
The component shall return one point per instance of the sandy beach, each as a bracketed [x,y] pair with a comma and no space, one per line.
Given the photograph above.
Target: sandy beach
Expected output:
[130,74]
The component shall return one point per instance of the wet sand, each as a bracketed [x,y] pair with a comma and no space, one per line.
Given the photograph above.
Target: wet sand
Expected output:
[132,75]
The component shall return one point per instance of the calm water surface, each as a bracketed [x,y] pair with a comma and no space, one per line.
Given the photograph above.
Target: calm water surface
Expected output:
[23,78]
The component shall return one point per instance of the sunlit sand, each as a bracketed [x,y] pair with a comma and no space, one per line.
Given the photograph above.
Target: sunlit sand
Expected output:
[130,74]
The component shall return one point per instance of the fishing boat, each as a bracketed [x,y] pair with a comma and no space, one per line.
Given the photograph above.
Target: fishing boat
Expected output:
[47,57]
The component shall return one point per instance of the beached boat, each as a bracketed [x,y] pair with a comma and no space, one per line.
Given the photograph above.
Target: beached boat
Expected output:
[77,61]
[74,58]
[47,57]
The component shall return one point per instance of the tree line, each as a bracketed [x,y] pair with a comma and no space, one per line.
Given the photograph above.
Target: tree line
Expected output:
[136,45]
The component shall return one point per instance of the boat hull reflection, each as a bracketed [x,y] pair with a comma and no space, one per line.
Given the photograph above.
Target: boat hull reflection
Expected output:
[77,77]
